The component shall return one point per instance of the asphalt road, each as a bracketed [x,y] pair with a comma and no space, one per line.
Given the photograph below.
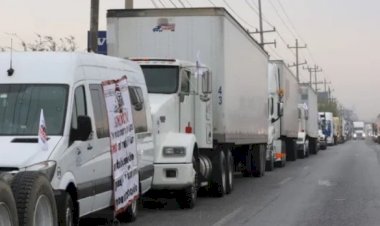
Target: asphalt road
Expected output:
[339,186]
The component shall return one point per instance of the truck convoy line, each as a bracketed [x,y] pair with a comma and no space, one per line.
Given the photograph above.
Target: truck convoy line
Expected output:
[206,103]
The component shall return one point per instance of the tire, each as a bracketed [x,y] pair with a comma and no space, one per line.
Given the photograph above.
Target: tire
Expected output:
[313,147]
[187,197]
[8,211]
[34,200]
[260,160]
[230,173]
[291,152]
[269,164]
[130,215]
[218,185]
[301,152]
[66,211]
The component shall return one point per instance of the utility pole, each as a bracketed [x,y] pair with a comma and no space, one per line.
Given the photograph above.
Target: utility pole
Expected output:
[261,31]
[94,26]
[310,70]
[316,70]
[297,64]
[129,4]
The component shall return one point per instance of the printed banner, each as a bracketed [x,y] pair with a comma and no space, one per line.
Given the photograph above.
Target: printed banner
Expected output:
[123,146]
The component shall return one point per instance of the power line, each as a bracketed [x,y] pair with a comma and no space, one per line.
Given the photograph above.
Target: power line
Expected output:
[294,29]
[154,4]
[256,11]
[211,3]
[173,3]
[183,5]
[237,15]
[279,16]
[188,3]
[163,5]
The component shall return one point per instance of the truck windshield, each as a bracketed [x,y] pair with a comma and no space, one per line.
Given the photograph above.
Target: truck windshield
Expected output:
[21,104]
[161,79]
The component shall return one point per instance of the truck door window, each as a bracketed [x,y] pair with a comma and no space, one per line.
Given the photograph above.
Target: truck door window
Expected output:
[271,106]
[138,110]
[100,111]
[185,82]
[79,108]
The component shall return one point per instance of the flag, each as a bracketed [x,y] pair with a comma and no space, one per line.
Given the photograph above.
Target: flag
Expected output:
[42,136]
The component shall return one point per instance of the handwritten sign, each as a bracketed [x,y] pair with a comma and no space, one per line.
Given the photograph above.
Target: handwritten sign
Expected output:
[123,143]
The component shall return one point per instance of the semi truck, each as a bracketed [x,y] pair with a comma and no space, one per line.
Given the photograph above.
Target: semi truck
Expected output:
[207,83]
[310,100]
[287,126]
[338,130]
[358,132]
[326,119]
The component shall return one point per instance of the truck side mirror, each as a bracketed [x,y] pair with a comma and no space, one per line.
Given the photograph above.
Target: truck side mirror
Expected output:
[84,128]
[206,83]
[280,109]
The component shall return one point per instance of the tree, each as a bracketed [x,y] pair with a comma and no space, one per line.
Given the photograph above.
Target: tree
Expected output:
[46,43]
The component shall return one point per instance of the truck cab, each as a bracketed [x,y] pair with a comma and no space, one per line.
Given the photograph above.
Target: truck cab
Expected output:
[179,93]
[302,141]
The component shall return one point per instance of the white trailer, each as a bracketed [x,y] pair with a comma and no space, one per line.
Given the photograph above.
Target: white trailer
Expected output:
[230,131]
[310,99]
[326,119]
[290,97]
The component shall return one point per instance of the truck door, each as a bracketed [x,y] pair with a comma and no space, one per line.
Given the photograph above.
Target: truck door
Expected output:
[187,103]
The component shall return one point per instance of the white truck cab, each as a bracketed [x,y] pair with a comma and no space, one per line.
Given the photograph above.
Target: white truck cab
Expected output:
[77,163]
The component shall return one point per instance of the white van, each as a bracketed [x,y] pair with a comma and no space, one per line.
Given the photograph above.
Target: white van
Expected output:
[76,168]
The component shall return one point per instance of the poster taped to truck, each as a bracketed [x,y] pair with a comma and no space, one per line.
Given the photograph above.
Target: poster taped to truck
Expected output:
[123,146]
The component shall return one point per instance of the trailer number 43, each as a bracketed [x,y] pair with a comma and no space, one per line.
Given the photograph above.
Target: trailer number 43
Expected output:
[220,96]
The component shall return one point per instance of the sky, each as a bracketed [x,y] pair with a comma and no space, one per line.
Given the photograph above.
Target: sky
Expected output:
[341,35]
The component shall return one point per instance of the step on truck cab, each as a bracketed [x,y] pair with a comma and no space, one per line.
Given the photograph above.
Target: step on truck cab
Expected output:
[72,176]
[236,136]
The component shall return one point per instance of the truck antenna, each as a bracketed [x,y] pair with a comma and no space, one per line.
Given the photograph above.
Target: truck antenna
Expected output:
[11,70]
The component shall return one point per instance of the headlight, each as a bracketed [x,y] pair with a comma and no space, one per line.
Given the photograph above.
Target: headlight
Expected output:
[47,168]
[354,134]
[174,151]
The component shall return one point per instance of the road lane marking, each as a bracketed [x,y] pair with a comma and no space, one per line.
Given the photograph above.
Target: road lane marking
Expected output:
[284,181]
[229,217]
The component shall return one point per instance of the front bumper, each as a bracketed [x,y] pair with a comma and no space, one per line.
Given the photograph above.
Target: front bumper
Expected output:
[173,176]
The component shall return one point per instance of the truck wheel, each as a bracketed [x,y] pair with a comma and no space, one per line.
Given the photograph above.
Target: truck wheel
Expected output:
[260,160]
[186,198]
[66,211]
[313,146]
[130,215]
[230,172]
[269,164]
[8,211]
[301,152]
[291,152]
[34,200]
[218,185]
